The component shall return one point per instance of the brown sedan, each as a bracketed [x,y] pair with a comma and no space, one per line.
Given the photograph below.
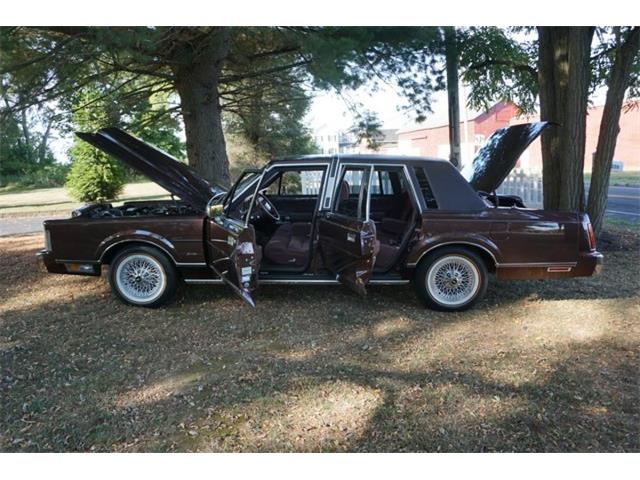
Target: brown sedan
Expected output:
[353,219]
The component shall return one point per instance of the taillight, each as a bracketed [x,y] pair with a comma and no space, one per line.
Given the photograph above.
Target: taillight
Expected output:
[591,236]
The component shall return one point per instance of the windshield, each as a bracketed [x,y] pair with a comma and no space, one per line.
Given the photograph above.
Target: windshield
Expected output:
[233,203]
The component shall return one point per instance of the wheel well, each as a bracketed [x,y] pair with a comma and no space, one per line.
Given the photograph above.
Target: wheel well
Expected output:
[113,251]
[486,257]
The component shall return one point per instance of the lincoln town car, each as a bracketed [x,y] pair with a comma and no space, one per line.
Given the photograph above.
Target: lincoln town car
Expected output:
[354,220]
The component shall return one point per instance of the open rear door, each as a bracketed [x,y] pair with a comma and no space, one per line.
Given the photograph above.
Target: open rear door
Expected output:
[232,251]
[347,237]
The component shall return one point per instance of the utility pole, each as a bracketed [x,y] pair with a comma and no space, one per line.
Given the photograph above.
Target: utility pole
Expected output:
[451,54]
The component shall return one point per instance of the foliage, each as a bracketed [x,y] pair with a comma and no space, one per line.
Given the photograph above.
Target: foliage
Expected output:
[367,128]
[268,123]
[94,176]
[133,64]
[24,148]
[499,64]
[47,176]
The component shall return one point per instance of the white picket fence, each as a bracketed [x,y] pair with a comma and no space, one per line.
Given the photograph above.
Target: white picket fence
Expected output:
[526,186]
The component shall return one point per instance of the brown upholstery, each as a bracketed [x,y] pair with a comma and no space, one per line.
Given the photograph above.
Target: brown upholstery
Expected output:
[391,230]
[289,245]
[344,190]
[387,254]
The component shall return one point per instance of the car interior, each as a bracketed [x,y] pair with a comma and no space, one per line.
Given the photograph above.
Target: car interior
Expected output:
[293,194]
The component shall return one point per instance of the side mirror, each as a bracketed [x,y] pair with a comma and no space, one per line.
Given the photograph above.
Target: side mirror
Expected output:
[214,210]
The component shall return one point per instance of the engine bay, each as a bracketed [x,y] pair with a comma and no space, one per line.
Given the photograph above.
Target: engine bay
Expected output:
[160,208]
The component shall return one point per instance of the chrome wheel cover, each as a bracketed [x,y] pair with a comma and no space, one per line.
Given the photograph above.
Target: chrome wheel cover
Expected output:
[453,280]
[140,278]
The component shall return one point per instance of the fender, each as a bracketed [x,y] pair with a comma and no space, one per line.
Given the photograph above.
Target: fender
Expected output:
[143,236]
[426,244]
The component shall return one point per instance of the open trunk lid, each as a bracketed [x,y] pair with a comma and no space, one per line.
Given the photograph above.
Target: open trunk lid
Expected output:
[499,156]
[168,172]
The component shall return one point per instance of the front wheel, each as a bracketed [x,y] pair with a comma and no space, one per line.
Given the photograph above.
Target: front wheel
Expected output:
[142,276]
[451,279]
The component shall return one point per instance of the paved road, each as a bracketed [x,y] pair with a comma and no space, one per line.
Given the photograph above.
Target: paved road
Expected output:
[624,203]
[20,225]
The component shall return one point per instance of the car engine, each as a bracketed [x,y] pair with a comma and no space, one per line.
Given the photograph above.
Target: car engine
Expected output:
[136,209]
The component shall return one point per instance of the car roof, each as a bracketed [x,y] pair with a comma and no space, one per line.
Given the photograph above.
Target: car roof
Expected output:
[359,158]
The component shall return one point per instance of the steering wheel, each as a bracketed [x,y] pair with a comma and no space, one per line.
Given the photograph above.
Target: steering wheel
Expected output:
[267,207]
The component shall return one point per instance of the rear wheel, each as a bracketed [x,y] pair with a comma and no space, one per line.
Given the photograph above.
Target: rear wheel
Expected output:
[142,276]
[451,279]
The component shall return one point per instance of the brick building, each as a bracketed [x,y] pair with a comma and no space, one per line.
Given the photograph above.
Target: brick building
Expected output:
[434,141]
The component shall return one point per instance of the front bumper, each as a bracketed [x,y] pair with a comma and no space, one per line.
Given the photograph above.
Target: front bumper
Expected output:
[48,263]
[51,265]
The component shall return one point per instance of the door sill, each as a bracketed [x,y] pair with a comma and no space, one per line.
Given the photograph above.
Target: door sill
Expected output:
[300,279]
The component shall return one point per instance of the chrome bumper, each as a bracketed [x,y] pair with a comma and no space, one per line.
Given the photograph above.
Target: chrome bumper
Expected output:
[599,263]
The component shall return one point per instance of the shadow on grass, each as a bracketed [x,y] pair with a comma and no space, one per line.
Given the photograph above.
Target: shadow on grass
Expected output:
[317,369]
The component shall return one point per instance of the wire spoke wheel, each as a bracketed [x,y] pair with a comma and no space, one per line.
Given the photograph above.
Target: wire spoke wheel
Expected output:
[140,278]
[453,280]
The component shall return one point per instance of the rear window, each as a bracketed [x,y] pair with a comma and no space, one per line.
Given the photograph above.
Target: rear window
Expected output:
[425,188]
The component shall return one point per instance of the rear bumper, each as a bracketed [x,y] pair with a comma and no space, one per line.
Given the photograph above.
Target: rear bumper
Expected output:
[589,264]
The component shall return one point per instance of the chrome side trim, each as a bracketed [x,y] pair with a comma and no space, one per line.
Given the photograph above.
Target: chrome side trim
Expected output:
[537,264]
[402,281]
[453,243]
[202,281]
[194,264]
[286,281]
[93,262]
[130,240]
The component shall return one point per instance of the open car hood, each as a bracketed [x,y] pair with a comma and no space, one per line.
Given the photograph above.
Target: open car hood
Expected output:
[499,156]
[168,172]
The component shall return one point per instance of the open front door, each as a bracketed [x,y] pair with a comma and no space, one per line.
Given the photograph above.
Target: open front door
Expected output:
[232,251]
[347,237]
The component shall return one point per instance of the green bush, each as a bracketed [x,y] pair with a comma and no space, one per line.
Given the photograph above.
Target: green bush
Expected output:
[48,176]
[94,176]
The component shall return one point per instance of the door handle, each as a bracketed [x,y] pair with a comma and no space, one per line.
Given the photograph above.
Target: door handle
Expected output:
[351,237]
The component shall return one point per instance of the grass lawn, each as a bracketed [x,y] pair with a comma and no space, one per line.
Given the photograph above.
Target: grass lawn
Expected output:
[620,179]
[57,199]
[537,366]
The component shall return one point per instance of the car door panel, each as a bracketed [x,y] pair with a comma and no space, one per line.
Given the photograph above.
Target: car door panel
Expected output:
[231,247]
[234,255]
[349,249]
[348,242]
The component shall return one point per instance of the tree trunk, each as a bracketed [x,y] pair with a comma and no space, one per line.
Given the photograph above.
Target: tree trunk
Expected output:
[564,74]
[451,55]
[617,84]
[197,73]
[42,147]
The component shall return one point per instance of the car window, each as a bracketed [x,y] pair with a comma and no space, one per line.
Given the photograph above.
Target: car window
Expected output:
[351,192]
[296,182]
[381,183]
[425,188]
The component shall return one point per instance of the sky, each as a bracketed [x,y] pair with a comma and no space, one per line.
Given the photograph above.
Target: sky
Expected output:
[329,109]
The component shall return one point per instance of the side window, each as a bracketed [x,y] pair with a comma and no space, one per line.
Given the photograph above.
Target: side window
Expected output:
[296,182]
[381,183]
[291,183]
[274,187]
[351,192]
[425,188]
